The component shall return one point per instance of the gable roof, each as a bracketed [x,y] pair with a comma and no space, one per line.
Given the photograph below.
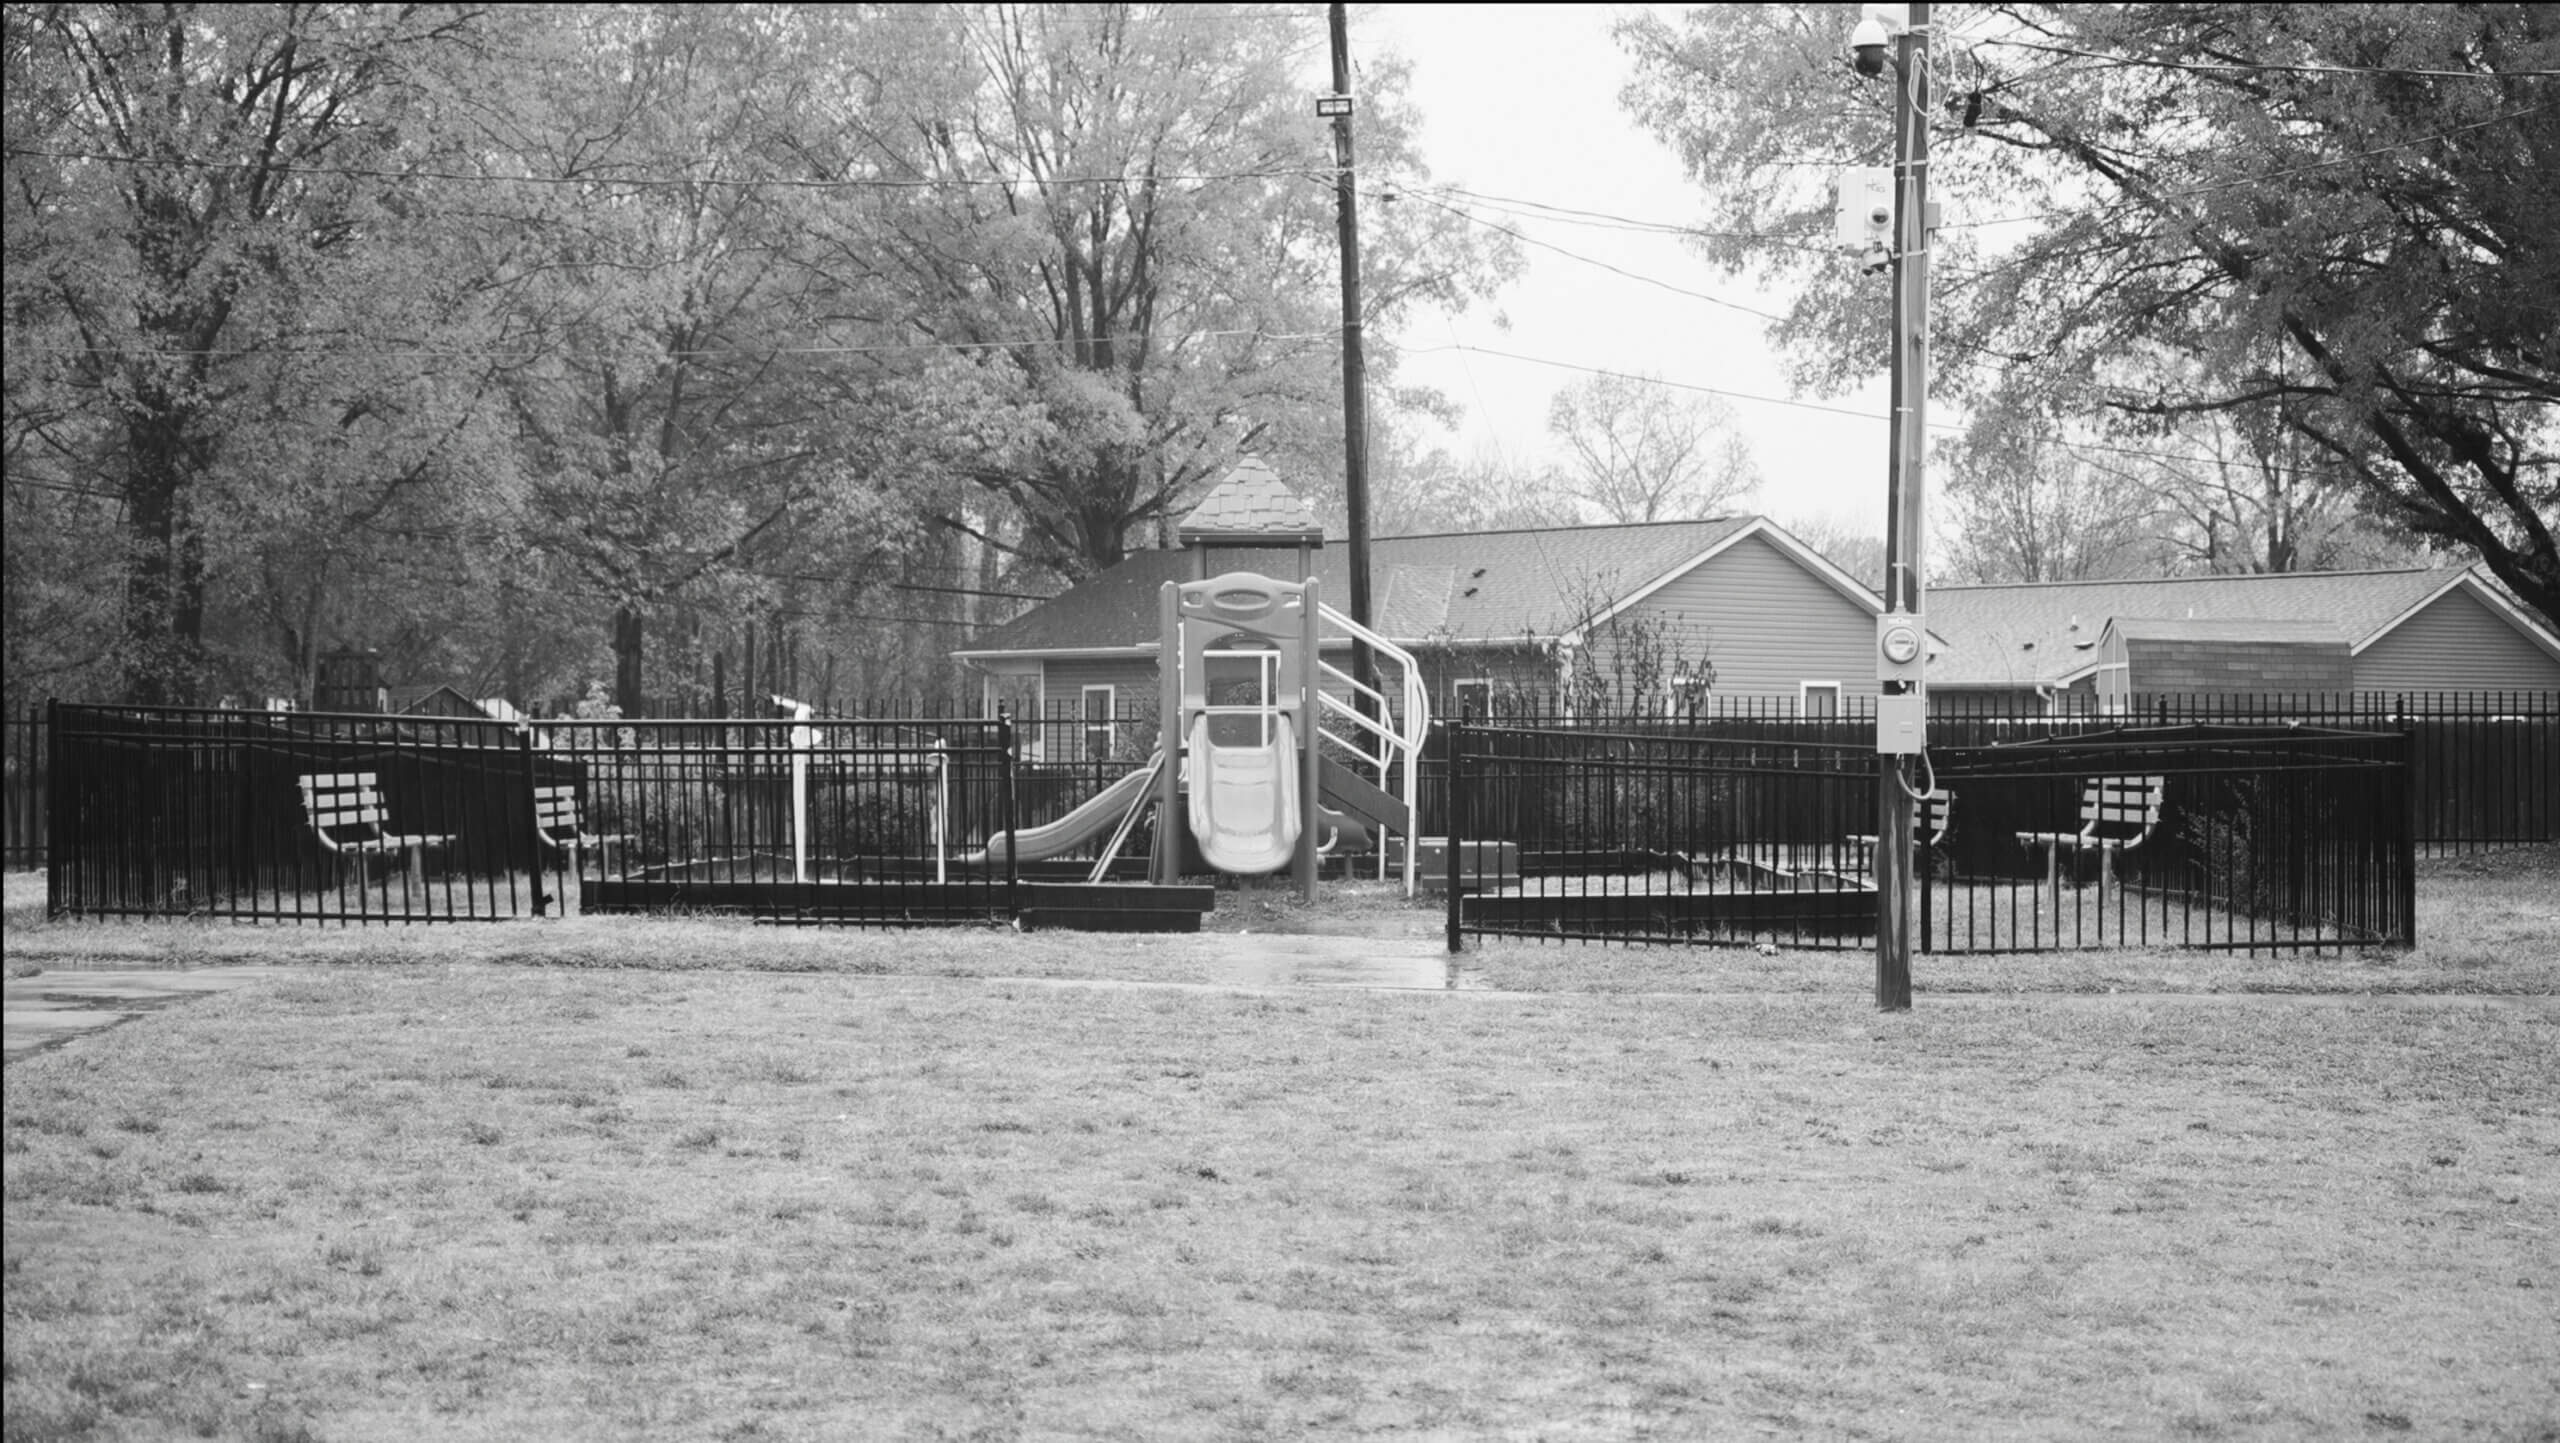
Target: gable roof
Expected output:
[1473,586]
[2046,633]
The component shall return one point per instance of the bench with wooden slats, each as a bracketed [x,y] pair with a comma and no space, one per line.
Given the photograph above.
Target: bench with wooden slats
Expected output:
[348,817]
[1929,817]
[560,826]
[2117,814]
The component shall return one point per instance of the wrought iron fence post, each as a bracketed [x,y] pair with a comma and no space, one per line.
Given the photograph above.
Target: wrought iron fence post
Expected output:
[2405,842]
[57,814]
[1008,803]
[530,819]
[1457,733]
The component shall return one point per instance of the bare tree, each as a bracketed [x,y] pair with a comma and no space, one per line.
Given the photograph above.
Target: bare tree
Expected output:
[1642,451]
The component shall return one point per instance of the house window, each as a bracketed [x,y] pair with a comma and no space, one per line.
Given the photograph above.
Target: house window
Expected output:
[1685,695]
[1819,701]
[1097,723]
[1471,697]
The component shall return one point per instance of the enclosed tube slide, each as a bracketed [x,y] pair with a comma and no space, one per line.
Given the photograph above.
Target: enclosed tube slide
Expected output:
[1244,799]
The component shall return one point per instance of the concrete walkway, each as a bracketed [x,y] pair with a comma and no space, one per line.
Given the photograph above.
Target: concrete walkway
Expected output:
[51,1008]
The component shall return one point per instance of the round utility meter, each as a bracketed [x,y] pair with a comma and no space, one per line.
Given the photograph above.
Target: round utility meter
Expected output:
[1901,645]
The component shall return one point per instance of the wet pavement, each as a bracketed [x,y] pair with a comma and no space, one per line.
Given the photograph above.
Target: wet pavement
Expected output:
[51,1008]
[1302,960]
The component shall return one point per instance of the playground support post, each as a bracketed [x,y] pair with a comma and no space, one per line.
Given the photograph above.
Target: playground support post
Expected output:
[1165,867]
[1310,740]
[1456,735]
[1012,811]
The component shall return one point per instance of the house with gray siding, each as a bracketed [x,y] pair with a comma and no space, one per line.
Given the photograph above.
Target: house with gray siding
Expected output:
[2094,646]
[1733,612]
[1649,616]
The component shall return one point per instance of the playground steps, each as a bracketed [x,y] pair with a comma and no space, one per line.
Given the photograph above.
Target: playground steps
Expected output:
[1114,907]
[1357,795]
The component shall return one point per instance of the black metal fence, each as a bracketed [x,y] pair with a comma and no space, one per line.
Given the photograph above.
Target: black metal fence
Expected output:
[2485,765]
[357,818]
[22,786]
[2259,838]
[2287,838]
[1654,835]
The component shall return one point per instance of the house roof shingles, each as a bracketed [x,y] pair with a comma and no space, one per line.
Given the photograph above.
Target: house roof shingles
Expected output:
[1476,586]
[2025,634]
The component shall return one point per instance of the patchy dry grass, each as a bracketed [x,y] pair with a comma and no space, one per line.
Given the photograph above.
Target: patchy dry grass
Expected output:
[474,1201]
[607,1179]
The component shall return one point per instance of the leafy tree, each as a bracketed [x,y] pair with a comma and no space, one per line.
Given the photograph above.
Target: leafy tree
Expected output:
[1128,212]
[1640,451]
[2345,212]
[197,198]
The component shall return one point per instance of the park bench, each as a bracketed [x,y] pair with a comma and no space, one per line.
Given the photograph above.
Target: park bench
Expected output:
[1929,818]
[2117,814]
[559,826]
[348,817]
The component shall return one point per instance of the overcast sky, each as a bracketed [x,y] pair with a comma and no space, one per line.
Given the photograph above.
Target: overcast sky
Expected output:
[1520,102]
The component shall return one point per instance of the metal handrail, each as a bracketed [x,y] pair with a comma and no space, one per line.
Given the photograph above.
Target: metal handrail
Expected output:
[1392,744]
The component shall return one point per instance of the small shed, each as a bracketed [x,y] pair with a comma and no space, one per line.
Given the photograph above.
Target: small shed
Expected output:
[2140,656]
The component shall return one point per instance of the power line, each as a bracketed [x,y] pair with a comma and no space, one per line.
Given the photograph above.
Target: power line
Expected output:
[1474,219]
[1945,427]
[689,354]
[644,182]
[1571,215]
[2210,68]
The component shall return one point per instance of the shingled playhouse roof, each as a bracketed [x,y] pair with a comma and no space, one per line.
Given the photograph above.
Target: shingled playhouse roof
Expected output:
[1251,503]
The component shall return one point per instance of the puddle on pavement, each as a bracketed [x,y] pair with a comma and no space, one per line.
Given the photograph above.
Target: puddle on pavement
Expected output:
[1435,972]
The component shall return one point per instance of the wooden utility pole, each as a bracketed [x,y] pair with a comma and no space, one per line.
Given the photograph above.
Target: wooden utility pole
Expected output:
[1355,373]
[1896,807]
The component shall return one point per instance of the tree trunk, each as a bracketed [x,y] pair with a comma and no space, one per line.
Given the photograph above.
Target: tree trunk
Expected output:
[164,589]
[626,661]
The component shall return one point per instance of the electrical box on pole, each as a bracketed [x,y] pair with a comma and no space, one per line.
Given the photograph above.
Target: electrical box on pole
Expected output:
[1862,215]
[1902,695]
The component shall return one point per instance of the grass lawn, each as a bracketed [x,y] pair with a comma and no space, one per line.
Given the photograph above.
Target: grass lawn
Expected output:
[599,1179]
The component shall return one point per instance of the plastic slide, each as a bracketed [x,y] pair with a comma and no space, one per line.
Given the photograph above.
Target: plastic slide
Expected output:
[1244,799]
[1094,818]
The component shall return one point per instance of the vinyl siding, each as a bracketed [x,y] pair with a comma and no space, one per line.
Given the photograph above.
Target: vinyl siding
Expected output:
[1766,624]
[2457,644]
[1133,683]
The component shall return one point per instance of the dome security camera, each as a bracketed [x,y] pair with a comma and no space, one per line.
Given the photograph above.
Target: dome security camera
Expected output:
[1866,47]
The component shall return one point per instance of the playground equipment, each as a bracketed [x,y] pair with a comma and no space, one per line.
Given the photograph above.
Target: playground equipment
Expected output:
[1246,686]
[1255,775]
